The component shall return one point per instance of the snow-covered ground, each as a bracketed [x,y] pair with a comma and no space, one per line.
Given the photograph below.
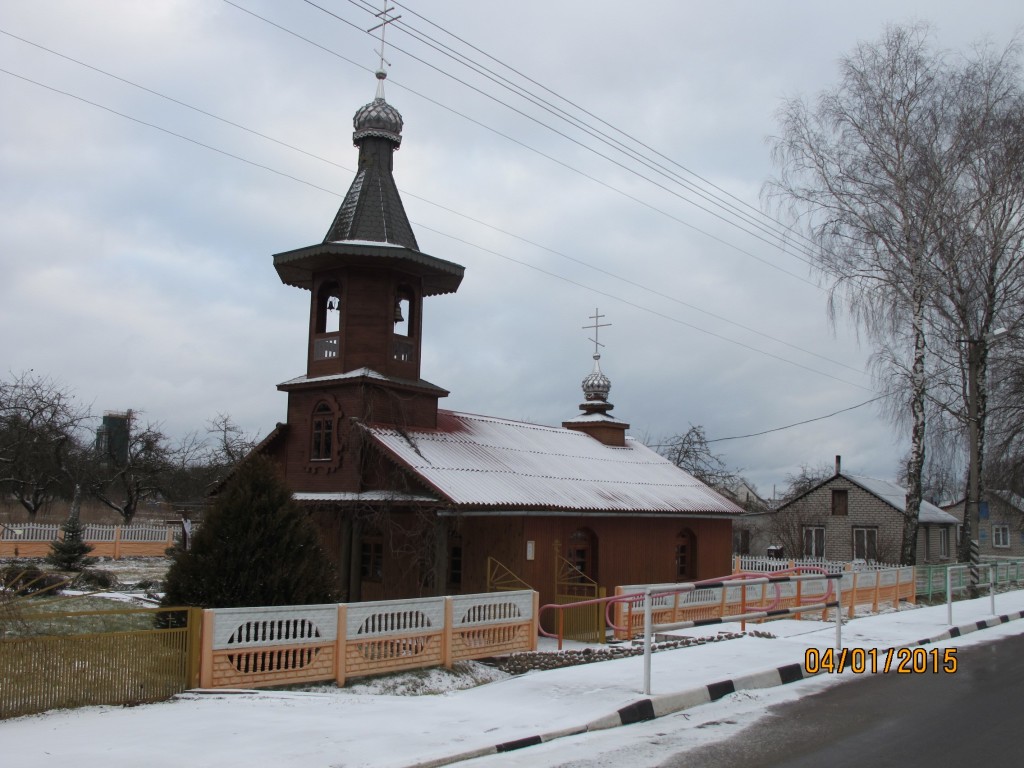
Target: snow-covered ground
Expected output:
[372,725]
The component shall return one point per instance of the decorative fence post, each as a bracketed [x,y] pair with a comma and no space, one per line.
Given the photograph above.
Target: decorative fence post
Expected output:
[341,645]
[446,637]
[206,649]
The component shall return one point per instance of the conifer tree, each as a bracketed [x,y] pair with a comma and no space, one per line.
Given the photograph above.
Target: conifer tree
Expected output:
[254,547]
[70,553]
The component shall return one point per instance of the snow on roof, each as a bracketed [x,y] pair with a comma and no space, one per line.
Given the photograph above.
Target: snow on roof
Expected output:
[360,496]
[896,495]
[590,418]
[486,462]
[356,374]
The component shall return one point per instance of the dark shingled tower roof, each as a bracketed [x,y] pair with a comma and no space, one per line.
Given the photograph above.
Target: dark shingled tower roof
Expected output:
[372,209]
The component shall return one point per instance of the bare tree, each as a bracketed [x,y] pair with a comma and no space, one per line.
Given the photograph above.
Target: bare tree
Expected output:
[806,478]
[906,177]
[143,470]
[40,424]
[690,452]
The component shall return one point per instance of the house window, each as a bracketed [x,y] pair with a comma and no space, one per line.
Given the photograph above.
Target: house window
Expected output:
[580,553]
[865,544]
[455,564]
[371,559]
[840,500]
[323,433]
[1001,536]
[944,542]
[814,540]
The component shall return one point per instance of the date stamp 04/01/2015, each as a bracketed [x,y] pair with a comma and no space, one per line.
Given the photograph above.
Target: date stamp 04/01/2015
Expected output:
[903,661]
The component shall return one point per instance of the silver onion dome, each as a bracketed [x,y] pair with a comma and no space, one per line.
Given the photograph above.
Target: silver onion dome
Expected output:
[378,118]
[596,385]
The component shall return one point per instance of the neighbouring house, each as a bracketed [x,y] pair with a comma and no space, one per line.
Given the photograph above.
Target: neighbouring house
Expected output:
[1001,523]
[412,499]
[849,517]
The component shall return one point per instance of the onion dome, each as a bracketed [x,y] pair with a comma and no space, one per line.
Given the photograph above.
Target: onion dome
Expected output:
[378,118]
[596,385]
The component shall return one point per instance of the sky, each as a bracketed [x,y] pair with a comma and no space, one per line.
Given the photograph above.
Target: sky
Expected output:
[356,726]
[137,230]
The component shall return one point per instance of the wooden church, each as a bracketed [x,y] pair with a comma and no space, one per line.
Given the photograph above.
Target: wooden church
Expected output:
[412,499]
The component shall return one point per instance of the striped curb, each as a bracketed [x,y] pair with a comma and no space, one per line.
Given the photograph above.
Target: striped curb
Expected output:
[966,629]
[652,708]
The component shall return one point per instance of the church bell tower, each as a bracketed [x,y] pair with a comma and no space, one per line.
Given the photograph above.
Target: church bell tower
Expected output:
[367,282]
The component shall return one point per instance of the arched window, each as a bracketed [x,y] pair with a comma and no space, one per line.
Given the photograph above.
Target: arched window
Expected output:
[403,312]
[327,321]
[402,346]
[686,556]
[581,552]
[323,433]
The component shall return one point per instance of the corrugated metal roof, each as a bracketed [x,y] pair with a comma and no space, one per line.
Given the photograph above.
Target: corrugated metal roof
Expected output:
[485,462]
[897,496]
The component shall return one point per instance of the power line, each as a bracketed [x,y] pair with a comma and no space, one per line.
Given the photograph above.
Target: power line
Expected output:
[800,423]
[267,137]
[439,232]
[542,154]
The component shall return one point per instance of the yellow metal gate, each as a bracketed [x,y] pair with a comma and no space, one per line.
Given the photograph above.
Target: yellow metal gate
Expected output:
[584,623]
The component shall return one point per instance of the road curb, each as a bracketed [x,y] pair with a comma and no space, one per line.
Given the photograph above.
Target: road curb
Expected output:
[654,707]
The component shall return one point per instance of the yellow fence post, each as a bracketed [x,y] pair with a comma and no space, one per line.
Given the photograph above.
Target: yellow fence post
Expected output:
[878,587]
[117,542]
[896,598]
[447,636]
[799,599]
[195,632]
[853,595]
[341,645]
[206,650]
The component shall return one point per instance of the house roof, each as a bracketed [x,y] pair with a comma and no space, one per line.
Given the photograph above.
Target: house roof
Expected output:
[489,464]
[896,496]
[892,494]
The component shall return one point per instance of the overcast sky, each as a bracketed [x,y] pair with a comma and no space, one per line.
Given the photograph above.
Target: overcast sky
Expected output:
[136,264]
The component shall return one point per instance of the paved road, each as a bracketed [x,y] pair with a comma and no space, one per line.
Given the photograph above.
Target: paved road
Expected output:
[971,719]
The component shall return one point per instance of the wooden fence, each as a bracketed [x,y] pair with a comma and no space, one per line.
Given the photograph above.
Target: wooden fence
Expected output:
[259,647]
[115,541]
[47,662]
[859,588]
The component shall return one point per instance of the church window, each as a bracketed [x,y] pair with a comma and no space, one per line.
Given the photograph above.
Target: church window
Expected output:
[323,433]
[371,559]
[685,556]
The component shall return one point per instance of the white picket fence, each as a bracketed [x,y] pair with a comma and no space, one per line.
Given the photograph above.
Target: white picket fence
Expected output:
[761,564]
[93,532]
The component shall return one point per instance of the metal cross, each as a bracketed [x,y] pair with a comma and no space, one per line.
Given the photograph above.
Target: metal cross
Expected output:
[385,20]
[597,326]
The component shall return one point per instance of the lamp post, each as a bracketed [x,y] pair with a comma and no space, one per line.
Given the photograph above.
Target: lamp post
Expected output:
[970,547]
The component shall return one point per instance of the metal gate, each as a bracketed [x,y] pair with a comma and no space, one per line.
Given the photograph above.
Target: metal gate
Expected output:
[584,623]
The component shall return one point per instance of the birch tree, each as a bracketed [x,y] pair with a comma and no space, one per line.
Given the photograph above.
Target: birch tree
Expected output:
[901,176]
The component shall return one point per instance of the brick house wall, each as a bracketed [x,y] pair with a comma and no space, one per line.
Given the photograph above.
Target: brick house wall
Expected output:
[1000,513]
[863,510]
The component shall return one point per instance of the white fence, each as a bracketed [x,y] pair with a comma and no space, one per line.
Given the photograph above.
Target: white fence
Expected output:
[255,647]
[138,540]
[761,564]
